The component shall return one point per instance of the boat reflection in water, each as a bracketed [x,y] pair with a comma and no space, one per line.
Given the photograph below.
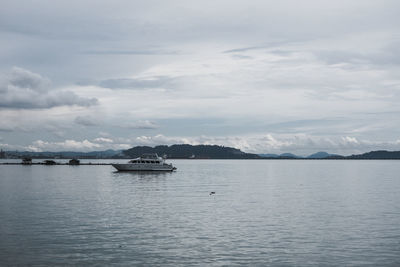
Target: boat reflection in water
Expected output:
[145,163]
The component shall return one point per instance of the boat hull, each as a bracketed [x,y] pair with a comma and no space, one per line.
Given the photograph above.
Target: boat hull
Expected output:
[146,167]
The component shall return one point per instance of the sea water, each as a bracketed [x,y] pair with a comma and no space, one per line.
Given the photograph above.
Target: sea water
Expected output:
[263,212]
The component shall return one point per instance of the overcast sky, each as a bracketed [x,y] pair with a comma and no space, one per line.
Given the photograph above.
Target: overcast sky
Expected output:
[261,76]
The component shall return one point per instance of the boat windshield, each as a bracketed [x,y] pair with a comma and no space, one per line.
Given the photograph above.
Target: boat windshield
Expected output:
[145,161]
[149,156]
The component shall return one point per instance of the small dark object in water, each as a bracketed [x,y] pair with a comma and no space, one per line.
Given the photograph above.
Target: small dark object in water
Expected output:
[27,161]
[49,162]
[74,162]
[212,193]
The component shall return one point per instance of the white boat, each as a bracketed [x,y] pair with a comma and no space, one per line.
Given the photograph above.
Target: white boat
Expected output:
[147,162]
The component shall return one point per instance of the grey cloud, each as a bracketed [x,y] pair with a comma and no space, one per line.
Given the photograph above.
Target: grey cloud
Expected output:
[139,83]
[243,49]
[337,56]
[8,126]
[281,52]
[6,129]
[65,29]
[130,52]
[22,78]
[23,89]
[237,56]
[385,55]
[267,45]
[305,125]
[86,121]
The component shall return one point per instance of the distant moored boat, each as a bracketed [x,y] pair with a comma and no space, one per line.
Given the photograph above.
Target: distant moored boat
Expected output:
[74,162]
[26,161]
[147,162]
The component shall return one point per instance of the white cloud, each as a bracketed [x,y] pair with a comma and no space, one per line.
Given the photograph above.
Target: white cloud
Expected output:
[103,140]
[350,140]
[142,124]
[73,145]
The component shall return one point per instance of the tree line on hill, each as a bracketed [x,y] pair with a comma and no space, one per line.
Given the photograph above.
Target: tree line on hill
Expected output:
[189,151]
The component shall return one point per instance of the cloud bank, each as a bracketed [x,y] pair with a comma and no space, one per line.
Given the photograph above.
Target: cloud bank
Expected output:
[23,89]
[302,145]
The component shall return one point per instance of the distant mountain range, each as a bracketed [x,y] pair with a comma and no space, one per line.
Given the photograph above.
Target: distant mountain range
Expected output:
[318,155]
[380,154]
[193,152]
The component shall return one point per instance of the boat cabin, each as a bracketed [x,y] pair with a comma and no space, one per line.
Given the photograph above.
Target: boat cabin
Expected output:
[148,159]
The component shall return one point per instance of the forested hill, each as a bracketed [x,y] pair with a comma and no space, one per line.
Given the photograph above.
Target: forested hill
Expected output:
[380,154]
[189,151]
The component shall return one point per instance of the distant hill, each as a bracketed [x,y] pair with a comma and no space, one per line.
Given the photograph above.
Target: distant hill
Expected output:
[380,154]
[281,156]
[269,155]
[323,155]
[189,151]
[288,156]
[319,155]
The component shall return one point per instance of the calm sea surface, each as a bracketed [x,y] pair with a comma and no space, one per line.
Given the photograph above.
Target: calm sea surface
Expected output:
[271,212]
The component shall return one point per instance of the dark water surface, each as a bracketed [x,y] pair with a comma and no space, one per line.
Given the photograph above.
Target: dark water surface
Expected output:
[272,212]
